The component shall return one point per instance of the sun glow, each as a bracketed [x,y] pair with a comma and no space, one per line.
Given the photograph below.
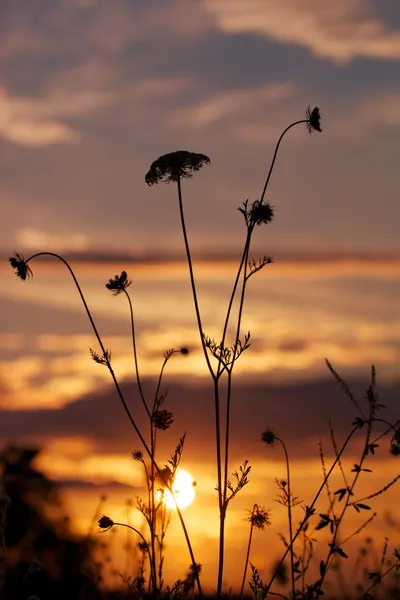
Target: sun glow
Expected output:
[183,488]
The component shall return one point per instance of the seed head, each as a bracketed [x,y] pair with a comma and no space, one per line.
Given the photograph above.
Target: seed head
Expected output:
[269,436]
[20,265]
[162,419]
[184,351]
[259,517]
[105,523]
[260,213]
[174,166]
[119,283]
[137,455]
[313,119]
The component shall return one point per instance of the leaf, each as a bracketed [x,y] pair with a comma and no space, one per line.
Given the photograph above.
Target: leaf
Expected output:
[322,568]
[341,493]
[341,552]
[363,506]
[325,520]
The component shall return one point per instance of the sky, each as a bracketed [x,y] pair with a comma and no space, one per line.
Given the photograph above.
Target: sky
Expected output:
[91,92]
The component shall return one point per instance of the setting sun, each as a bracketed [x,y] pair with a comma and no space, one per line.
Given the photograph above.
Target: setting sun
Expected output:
[183,487]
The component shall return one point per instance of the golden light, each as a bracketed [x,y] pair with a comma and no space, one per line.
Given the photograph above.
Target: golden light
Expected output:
[183,488]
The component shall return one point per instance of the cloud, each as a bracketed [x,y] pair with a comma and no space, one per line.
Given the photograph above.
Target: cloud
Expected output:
[237,107]
[340,30]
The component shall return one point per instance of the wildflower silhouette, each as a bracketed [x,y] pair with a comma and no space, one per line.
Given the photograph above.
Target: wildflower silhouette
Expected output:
[180,165]
[175,166]
[259,518]
[21,267]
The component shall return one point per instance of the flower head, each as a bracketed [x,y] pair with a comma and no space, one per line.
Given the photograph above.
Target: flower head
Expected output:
[269,436]
[261,212]
[137,455]
[119,283]
[259,517]
[21,267]
[174,166]
[162,419]
[105,523]
[184,350]
[313,119]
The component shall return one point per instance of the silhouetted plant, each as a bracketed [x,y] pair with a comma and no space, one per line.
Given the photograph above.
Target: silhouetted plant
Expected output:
[174,167]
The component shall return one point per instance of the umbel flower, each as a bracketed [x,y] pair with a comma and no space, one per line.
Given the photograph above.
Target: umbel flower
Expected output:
[174,166]
[119,283]
[21,268]
[313,119]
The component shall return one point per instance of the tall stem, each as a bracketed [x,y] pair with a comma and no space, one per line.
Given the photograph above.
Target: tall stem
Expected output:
[192,280]
[125,406]
[232,298]
[289,507]
[310,508]
[246,563]
[135,354]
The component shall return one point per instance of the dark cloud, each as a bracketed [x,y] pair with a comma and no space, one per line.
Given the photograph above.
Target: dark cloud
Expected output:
[300,413]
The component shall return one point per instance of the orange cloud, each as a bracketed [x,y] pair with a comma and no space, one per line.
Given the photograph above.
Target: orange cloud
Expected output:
[340,30]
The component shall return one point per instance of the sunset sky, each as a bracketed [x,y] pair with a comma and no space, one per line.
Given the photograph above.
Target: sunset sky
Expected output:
[91,92]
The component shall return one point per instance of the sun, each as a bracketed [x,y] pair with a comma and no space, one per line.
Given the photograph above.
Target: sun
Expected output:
[183,487]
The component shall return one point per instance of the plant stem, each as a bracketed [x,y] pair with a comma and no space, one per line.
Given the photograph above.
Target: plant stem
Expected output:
[135,354]
[276,154]
[192,280]
[309,511]
[289,507]
[231,300]
[125,406]
[246,563]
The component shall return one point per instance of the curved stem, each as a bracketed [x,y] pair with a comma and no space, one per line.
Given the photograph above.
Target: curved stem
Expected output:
[125,406]
[246,563]
[289,507]
[136,531]
[135,354]
[276,154]
[192,281]
[309,508]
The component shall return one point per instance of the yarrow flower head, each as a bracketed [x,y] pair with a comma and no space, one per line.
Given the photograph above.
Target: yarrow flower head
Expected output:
[259,517]
[19,263]
[313,119]
[269,436]
[119,283]
[105,523]
[174,166]
[162,419]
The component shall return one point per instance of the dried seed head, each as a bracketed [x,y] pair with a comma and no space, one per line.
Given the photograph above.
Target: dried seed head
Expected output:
[119,283]
[184,351]
[260,213]
[313,119]
[162,419]
[259,517]
[269,436]
[21,267]
[174,166]
[137,455]
[105,522]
